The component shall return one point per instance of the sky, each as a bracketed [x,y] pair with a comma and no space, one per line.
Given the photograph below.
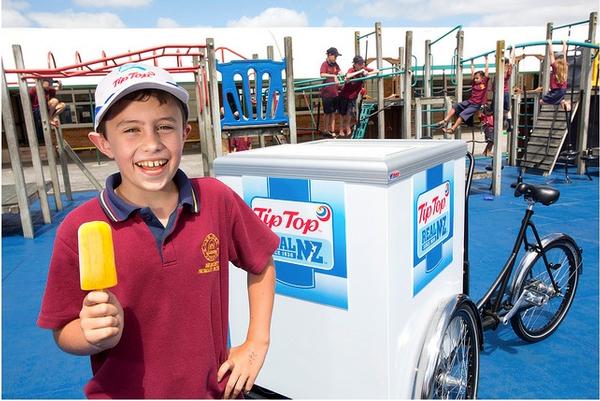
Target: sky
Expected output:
[289,13]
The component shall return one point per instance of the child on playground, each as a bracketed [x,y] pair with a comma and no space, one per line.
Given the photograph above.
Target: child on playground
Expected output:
[467,108]
[558,78]
[162,331]
[329,94]
[55,106]
[350,92]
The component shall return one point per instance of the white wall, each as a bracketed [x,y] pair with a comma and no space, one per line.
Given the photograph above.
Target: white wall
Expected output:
[309,44]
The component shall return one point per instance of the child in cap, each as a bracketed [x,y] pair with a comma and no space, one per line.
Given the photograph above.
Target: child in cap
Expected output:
[351,90]
[467,108]
[329,93]
[161,332]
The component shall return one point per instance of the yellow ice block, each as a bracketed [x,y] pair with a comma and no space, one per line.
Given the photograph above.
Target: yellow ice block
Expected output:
[97,269]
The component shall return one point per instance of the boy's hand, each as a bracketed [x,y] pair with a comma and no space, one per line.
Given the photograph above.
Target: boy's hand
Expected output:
[244,362]
[101,319]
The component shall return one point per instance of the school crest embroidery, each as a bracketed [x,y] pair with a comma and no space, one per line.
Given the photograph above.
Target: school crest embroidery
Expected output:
[210,250]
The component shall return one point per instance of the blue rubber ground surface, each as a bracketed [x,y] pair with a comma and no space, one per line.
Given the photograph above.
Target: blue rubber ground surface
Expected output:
[562,366]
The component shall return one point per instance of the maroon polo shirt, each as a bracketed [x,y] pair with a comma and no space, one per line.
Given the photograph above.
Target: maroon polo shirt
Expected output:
[479,91]
[330,91]
[351,88]
[554,84]
[173,287]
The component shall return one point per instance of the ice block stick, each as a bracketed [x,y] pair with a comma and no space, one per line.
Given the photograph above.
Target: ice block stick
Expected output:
[97,269]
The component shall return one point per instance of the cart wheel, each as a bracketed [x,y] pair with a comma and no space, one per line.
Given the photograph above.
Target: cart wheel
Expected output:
[448,366]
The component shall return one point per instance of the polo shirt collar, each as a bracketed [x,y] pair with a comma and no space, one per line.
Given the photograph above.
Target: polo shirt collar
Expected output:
[118,209]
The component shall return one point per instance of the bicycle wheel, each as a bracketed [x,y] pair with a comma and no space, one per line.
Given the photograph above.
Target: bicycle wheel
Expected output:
[448,366]
[546,308]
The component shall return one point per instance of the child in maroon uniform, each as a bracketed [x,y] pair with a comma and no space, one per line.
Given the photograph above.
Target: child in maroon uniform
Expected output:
[161,332]
[351,90]
[329,94]
[467,108]
[558,79]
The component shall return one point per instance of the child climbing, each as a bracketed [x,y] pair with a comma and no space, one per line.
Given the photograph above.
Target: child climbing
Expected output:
[467,108]
[558,78]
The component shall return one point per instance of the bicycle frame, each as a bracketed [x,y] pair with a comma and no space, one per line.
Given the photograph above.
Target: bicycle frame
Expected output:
[490,305]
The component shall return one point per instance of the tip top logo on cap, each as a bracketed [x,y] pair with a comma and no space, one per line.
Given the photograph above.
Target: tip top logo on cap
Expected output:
[132,71]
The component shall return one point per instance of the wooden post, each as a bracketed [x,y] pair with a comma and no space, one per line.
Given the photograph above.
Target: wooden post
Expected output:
[460,41]
[406,120]
[290,93]
[357,44]
[427,87]
[380,94]
[399,80]
[418,118]
[214,104]
[270,55]
[203,117]
[32,137]
[498,120]
[43,105]
[64,162]
[546,63]
[586,88]
[15,158]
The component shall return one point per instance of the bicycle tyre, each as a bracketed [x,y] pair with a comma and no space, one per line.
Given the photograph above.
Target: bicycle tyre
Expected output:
[449,365]
[536,323]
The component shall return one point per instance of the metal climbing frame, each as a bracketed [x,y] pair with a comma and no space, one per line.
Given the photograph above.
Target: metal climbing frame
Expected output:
[98,67]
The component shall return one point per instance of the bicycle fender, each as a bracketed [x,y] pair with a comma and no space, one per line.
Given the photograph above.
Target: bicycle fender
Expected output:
[433,338]
[531,254]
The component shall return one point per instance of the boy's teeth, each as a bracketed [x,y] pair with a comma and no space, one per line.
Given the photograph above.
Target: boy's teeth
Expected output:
[155,163]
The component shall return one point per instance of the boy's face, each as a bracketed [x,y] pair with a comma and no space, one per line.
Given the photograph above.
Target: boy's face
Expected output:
[146,140]
[477,78]
[331,58]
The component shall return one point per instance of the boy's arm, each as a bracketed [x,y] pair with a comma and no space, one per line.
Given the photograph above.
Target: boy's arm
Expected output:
[487,67]
[472,69]
[98,328]
[246,360]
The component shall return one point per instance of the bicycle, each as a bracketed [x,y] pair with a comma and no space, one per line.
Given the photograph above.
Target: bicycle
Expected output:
[535,302]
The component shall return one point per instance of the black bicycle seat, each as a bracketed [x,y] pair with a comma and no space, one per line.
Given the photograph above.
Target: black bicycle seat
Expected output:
[538,193]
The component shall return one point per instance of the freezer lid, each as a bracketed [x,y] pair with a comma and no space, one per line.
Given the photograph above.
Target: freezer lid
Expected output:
[375,161]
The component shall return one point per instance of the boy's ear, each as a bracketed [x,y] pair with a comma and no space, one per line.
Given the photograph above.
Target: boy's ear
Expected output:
[186,132]
[101,143]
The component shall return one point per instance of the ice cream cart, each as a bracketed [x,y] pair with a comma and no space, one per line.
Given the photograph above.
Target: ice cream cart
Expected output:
[369,267]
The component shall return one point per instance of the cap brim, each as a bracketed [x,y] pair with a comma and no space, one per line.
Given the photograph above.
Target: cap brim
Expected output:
[172,89]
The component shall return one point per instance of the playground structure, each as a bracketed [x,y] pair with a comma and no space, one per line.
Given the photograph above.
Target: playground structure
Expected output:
[203,66]
[256,89]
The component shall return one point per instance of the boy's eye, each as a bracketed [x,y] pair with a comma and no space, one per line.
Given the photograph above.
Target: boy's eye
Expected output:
[165,127]
[130,130]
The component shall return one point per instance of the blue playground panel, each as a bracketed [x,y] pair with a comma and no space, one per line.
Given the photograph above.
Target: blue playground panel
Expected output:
[260,106]
[563,366]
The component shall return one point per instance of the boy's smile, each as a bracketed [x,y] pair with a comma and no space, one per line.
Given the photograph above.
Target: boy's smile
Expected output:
[146,140]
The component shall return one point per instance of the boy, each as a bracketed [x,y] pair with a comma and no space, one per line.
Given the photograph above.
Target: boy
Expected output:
[351,90]
[162,331]
[467,108]
[329,94]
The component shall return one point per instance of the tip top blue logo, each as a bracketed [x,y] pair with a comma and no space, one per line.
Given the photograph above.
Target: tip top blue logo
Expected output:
[133,66]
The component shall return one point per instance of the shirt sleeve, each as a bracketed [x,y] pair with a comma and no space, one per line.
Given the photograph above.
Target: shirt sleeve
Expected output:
[323,68]
[63,296]
[252,242]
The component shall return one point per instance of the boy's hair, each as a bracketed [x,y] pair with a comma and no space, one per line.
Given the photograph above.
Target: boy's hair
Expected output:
[480,73]
[142,95]
[130,78]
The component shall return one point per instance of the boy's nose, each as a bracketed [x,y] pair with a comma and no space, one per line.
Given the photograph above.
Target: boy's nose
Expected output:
[152,140]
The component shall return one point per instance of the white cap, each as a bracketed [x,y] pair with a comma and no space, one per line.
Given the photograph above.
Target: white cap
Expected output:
[132,77]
